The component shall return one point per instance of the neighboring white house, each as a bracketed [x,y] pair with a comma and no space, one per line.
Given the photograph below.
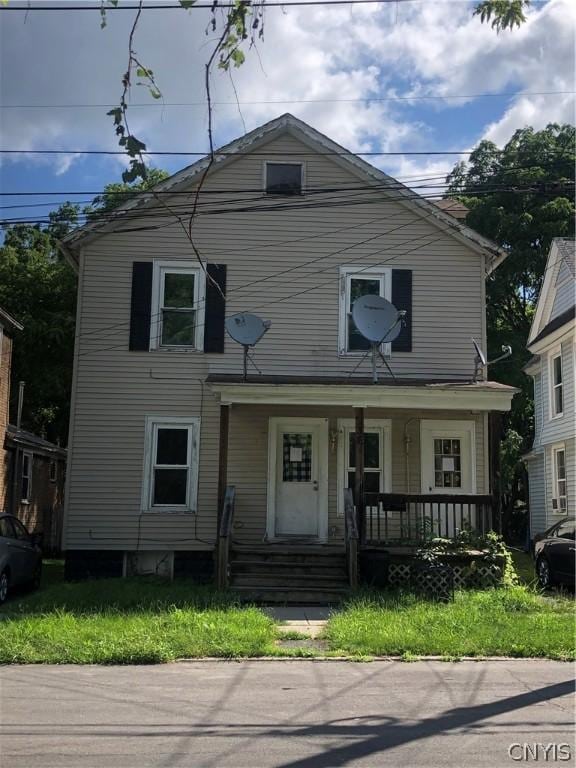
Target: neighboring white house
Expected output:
[551,462]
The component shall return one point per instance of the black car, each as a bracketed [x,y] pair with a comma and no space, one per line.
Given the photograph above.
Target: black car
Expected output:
[20,556]
[555,554]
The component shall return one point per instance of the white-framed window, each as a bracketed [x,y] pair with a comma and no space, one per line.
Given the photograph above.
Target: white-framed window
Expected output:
[178,297]
[377,457]
[559,499]
[283,178]
[26,477]
[356,282]
[53,471]
[171,458]
[556,385]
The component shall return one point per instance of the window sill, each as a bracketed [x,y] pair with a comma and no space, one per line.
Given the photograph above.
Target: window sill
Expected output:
[168,350]
[168,511]
[556,417]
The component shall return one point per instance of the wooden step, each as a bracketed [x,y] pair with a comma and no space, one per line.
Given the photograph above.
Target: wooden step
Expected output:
[290,596]
[288,558]
[279,568]
[287,582]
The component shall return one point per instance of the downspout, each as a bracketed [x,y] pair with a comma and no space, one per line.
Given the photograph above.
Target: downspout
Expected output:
[17,453]
[407,441]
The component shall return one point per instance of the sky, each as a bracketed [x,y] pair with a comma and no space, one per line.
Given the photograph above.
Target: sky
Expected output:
[346,70]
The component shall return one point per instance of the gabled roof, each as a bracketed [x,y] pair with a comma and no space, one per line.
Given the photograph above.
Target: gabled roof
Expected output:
[562,252]
[287,123]
[7,321]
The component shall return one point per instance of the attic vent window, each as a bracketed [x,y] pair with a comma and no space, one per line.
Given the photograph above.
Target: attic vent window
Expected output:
[283,178]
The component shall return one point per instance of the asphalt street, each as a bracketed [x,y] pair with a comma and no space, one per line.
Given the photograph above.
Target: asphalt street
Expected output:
[286,714]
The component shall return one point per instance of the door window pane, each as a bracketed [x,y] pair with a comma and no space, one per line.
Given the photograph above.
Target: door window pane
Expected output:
[296,457]
[447,463]
[172,446]
[170,486]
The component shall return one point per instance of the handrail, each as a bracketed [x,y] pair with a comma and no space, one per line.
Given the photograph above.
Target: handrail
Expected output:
[226,522]
[437,498]
[351,538]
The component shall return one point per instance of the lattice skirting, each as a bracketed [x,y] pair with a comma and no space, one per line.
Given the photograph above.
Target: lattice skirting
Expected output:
[473,576]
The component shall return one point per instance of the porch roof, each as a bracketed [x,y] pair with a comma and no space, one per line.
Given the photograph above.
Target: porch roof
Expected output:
[362,393]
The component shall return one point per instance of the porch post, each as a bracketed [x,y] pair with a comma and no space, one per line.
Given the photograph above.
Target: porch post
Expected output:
[359,473]
[223,460]
[495,433]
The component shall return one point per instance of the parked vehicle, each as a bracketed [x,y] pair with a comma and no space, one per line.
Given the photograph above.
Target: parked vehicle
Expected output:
[20,557]
[555,553]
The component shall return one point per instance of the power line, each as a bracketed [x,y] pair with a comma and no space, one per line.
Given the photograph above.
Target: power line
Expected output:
[368,99]
[172,153]
[204,6]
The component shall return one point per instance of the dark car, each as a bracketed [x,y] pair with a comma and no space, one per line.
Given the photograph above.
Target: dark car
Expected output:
[20,557]
[555,553]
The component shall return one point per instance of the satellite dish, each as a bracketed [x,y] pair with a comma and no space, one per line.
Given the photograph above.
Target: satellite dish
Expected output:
[374,317]
[480,356]
[378,321]
[247,330]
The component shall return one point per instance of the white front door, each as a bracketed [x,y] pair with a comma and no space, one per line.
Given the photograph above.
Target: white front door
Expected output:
[298,478]
[448,464]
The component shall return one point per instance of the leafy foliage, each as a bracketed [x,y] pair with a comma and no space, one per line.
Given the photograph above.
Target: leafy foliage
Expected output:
[504,14]
[118,193]
[38,288]
[521,197]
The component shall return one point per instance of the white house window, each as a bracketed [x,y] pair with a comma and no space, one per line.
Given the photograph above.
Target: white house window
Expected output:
[354,284]
[557,386]
[26,477]
[178,306]
[52,472]
[559,501]
[283,178]
[171,472]
[377,457]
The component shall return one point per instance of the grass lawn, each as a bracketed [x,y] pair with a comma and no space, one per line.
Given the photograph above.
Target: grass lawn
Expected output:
[501,622]
[138,621]
[116,621]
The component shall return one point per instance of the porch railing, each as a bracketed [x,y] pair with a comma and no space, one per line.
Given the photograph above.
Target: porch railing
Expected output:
[412,518]
[351,538]
[224,535]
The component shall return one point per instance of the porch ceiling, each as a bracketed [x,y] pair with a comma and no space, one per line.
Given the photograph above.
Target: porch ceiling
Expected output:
[434,395]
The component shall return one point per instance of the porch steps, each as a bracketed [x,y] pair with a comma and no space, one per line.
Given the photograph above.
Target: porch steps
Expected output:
[291,574]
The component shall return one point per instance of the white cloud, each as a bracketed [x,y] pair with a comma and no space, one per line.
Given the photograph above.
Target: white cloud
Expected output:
[309,53]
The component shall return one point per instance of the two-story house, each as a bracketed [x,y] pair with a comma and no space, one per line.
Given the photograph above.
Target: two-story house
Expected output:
[552,460]
[293,228]
[32,469]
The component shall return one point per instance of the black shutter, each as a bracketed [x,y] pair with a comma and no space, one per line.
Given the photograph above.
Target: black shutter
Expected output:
[215,308]
[141,306]
[402,299]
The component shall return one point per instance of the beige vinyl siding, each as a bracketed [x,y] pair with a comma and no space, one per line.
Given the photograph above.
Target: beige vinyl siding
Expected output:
[115,389]
[248,459]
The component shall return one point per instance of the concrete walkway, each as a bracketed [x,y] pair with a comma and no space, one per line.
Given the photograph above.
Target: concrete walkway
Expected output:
[308,620]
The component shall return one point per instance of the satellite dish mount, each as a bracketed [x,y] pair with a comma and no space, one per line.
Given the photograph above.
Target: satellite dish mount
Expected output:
[247,330]
[379,322]
[480,360]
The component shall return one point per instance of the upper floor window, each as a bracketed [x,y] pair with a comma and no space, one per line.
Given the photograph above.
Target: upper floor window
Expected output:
[354,284]
[559,501]
[557,389]
[171,470]
[177,306]
[284,178]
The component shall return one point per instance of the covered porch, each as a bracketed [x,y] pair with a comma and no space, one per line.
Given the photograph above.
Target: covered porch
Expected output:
[317,464]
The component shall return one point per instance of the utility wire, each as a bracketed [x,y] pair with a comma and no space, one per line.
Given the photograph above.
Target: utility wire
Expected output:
[203,6]
[367,99]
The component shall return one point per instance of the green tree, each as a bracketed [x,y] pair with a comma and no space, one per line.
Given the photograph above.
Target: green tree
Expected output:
[118,193]
[521,197]
[38,288]
[502,14]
